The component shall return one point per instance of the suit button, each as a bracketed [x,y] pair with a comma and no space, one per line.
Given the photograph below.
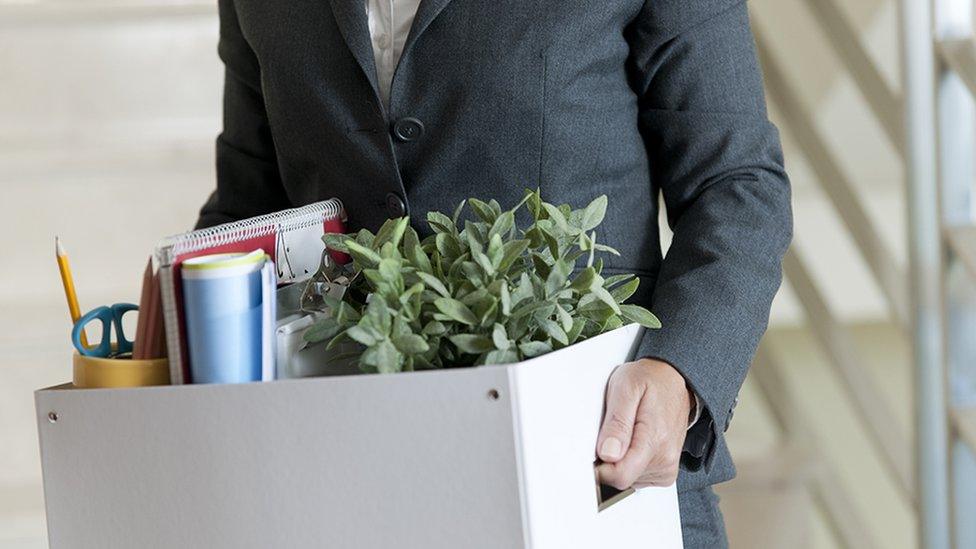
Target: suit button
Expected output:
[395,206]
[728,418]
[408,129]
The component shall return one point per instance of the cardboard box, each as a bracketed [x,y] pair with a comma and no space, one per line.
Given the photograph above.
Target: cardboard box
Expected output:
[492,457]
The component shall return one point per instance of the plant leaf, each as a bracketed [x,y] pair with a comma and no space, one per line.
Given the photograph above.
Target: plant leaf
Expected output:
[435,328]
[557,277]
[458,211]
[448,245]
[612,323]
[574,333]
[500,337]
[603,295]
[501,356]
[554,330]
[532,349]
[505,298]
[624,291]
[411,344]
[584,280]
[496,250]
[384,357]
[440,223]
[640,315]
[336,241]
[393,234]
[541,265]
[362,254]
[594,213]
[456,310]
[324,329]
[482,210]
[472,344]
[413,252]
[389,269]
[605,248]
[484,263]
[565,319]
[617,279]
[511,251]
[433,283]
[361,335]
[557,217]
[503,225]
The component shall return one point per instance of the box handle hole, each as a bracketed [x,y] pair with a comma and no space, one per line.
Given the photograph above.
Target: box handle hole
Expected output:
[608,496]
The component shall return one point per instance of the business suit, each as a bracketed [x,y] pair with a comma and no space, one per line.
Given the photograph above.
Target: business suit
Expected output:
[580,98]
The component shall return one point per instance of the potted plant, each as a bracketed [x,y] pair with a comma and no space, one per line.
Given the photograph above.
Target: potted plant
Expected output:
[478,291]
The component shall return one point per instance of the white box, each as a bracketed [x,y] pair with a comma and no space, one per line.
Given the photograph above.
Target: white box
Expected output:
[492,457]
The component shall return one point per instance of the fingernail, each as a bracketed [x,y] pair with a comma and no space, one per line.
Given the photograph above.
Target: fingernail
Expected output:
[610,449]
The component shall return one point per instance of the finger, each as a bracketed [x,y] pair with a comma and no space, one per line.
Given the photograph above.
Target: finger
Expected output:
[662,470]
[625,472]
[623,399]
[659,477]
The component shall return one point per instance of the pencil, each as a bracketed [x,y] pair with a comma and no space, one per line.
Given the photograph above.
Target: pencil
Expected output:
[69,286]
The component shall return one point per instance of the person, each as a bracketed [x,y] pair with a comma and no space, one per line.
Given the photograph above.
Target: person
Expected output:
[400,107]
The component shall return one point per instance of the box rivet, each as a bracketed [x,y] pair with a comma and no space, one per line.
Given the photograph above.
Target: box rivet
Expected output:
[52,417]
[493,394]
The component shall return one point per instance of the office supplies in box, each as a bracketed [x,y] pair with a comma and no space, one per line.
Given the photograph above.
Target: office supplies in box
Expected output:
[292,238]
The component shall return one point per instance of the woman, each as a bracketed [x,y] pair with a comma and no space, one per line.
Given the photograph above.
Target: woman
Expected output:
[398,107]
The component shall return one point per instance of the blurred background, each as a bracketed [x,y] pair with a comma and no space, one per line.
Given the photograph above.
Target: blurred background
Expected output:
[109,109]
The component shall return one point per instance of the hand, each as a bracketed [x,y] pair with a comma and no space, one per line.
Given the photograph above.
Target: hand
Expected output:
[648,403]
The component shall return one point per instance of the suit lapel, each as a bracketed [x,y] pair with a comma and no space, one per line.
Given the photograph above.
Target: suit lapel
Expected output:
[350,15]
[426,13]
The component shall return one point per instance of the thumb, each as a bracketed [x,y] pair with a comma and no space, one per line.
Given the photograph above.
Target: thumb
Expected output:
[618,422]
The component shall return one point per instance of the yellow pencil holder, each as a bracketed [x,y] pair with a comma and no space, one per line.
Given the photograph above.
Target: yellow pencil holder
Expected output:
[92,372]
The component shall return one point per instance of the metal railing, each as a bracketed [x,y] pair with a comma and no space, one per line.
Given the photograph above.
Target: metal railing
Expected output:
[948,420]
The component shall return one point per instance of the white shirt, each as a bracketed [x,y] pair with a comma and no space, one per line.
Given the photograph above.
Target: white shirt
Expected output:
[389,25]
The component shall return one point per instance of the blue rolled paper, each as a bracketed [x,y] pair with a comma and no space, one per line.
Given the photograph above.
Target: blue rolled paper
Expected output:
[222,304]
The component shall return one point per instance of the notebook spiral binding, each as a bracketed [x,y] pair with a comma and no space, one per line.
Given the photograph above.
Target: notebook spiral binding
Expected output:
[298,218]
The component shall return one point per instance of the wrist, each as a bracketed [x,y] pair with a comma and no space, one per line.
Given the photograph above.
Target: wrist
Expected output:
[675,384]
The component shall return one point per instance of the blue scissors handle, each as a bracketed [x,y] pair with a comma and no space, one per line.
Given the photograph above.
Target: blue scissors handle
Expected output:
[111,319]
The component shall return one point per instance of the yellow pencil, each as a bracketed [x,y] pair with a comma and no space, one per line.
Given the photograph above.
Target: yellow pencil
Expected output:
[69,286]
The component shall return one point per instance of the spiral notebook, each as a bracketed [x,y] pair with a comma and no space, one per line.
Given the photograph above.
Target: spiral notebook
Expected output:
[292,238]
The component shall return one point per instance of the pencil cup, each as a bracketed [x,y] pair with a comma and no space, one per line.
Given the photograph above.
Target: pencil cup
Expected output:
[93,372]
[222,304]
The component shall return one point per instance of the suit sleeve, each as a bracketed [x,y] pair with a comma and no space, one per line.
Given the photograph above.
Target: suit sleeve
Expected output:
[718,163]
[248,180]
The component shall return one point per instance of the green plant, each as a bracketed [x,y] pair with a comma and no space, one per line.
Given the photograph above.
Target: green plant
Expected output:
[488,293]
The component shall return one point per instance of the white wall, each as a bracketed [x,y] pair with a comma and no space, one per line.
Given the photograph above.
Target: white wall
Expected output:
[108,113]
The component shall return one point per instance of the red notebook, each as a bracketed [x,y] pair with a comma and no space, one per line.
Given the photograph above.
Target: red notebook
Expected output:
[292,238]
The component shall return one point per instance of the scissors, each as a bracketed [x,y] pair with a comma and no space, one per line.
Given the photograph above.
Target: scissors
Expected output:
[111,317]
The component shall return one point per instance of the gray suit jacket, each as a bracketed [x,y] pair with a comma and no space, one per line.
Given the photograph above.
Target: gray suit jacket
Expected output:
[581,98]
